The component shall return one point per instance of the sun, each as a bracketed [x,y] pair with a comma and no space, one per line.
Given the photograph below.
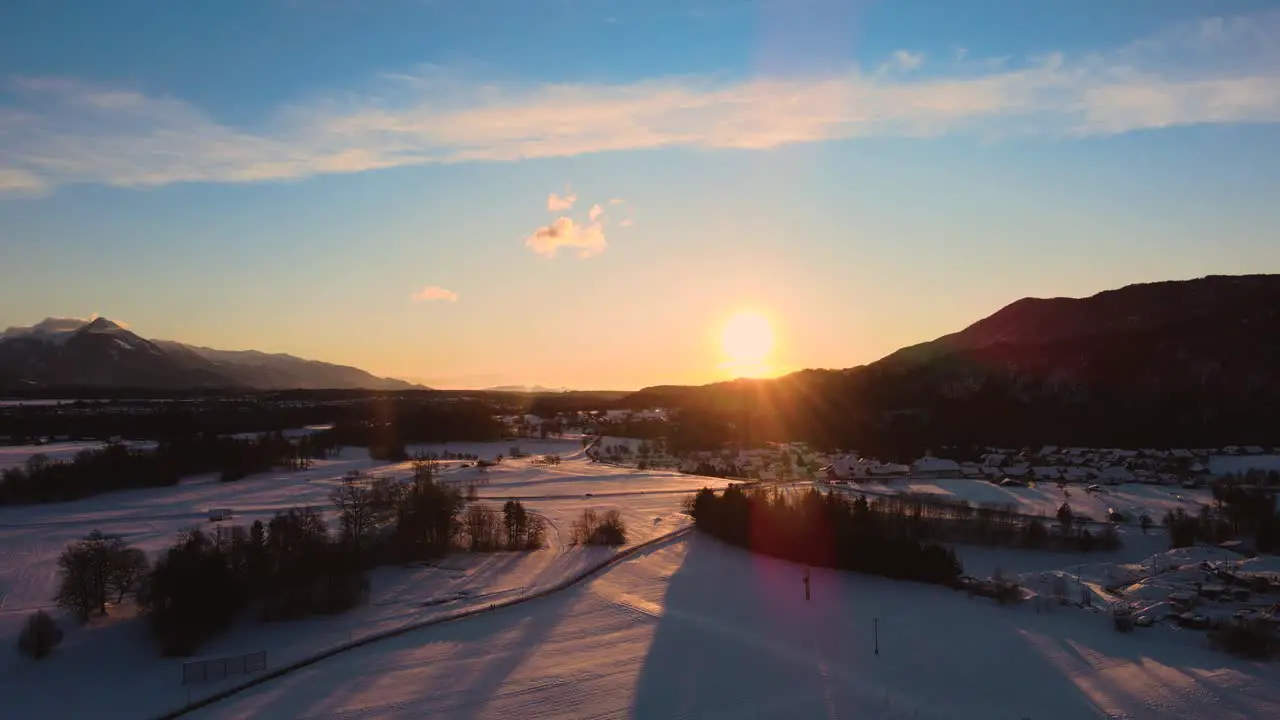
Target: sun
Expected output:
[747,340]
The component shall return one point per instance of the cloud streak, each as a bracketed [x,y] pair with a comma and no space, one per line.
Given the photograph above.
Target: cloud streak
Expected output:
[55,132]
[434,292]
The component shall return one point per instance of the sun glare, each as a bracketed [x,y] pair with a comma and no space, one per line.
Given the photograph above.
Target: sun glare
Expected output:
[747,340]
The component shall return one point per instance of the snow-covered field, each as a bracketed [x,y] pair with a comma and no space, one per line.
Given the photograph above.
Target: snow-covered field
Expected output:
[1132,499]
[687,628]
[696,629]
[14,455]
[131,681]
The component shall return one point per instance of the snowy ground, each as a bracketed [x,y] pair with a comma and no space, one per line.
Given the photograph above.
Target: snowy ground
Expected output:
[1132,499]
[693,628]
[689,628]
[132,681]
[14,455]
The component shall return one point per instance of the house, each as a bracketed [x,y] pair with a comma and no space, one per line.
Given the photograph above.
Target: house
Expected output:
[929,466]
[1046,472]
[1115,475]
[1077,474]
[994,460]
[1048,450]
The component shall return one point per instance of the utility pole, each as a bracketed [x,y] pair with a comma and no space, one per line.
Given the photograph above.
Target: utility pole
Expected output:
[806,584]
[875,629]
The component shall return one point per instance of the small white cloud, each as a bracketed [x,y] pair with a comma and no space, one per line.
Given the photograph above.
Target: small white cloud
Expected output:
[907,60]
[627,222]
[435,292]
[560,203]
[595,213]
[616,201]
[587,239]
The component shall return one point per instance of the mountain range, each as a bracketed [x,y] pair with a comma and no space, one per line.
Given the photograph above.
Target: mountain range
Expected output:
[66,353]
[1194,361]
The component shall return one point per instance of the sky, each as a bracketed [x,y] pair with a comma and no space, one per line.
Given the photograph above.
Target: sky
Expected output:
[610,195]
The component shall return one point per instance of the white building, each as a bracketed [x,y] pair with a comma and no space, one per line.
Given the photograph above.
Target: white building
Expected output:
[932,466]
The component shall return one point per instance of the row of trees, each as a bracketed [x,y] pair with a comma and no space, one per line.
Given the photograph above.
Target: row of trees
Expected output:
[117,466]
[291,566]
[820,530]
[514,528]
[113,467]
[1241,511]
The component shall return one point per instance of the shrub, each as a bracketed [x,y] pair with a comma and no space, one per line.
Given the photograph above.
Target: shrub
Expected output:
[40,635]
[593,528]
[1249,637]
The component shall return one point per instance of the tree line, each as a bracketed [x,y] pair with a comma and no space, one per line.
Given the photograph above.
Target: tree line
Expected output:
[821,530]
[117,466]
[1241,510]
[289,567]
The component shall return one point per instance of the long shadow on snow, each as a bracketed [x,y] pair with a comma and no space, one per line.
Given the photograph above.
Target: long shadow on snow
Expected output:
[737,638]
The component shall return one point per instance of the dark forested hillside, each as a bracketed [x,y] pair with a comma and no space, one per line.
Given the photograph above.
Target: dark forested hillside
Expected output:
[1164,364]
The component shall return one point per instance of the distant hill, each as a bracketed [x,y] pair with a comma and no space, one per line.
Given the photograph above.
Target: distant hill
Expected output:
[524,389]
[1169,363]
[260,370]
[69,353]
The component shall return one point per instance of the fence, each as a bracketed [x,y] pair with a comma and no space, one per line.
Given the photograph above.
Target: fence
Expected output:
[199,671]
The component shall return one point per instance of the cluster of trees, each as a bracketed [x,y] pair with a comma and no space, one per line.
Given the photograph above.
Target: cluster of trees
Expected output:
[821,530]
[116,466]
[515,528]
[386,427]
[95,570]
[595,528]
[920,517]
[1241,510]
[159,420]
[1253,637]
[547,460]
[291,566]
[721,470]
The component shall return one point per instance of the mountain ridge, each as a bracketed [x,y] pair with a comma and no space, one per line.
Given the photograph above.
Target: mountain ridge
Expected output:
[67,352]
[1168,363]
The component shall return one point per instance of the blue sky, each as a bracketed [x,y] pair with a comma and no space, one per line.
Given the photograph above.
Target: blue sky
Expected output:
[370,181]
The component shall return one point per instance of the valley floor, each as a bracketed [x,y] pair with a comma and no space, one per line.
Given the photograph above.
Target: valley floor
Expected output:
[686,628]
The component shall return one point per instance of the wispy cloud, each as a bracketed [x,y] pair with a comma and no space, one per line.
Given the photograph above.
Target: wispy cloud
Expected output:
[907,60]
[587,239]
[560,203]
[56,131]
[434,292]
[595,213]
